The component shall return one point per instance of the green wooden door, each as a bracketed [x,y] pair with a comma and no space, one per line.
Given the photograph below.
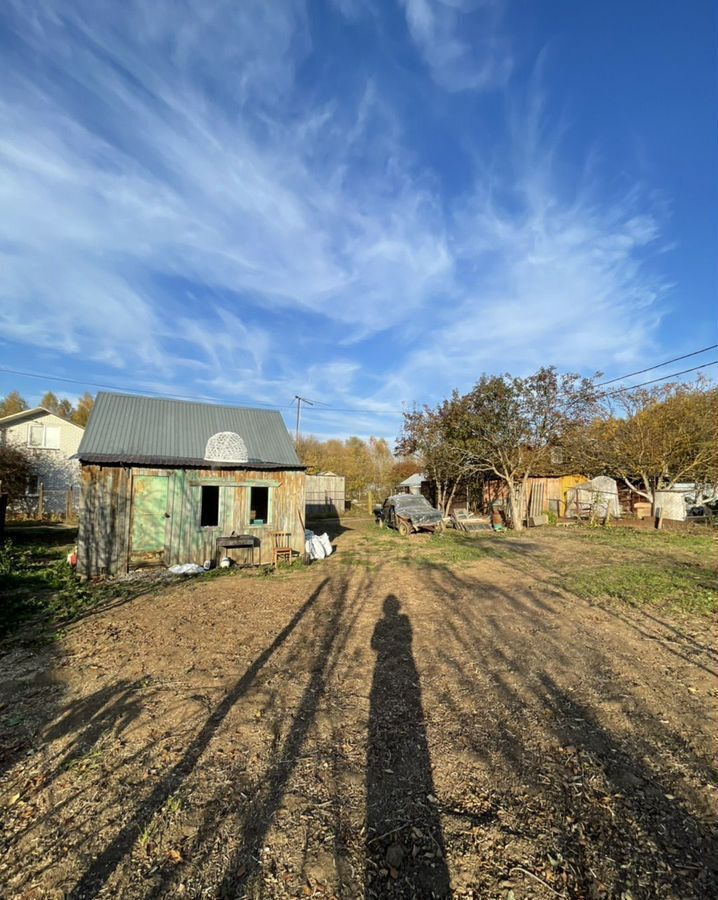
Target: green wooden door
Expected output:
[149,514]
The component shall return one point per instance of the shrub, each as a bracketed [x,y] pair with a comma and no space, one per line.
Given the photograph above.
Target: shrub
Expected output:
[15,469]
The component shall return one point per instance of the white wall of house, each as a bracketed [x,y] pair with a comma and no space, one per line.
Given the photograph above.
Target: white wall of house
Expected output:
[50,442]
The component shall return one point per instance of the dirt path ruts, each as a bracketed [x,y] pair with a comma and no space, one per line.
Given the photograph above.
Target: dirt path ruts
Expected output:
[389,730]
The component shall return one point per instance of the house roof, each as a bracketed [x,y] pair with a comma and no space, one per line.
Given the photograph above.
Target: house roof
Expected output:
[413,480]
[33,413]
[147,431]
[24,413]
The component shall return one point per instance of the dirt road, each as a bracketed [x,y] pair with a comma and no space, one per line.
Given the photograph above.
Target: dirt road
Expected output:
[375,725]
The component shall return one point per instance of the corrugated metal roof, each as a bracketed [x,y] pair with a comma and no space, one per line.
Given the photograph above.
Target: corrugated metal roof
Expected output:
[125,428]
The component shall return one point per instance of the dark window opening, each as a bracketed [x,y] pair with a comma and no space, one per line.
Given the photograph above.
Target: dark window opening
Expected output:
[258,505]
[209,514]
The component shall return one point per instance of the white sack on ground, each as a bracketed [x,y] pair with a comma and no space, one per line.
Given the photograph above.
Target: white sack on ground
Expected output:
[186,569]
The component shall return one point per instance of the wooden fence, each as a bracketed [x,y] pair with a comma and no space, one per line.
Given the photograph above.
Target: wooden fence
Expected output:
[62,504]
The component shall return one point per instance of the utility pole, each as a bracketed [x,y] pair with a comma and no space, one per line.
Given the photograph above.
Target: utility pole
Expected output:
[300,400]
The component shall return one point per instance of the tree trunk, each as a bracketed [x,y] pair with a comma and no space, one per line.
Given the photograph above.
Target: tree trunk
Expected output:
[440,495]
[515,506]
[646,494]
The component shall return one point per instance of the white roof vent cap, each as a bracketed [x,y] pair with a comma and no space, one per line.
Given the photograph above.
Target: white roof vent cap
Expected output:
[227,447]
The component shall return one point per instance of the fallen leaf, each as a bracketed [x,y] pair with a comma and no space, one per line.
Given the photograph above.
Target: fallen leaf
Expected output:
[13,800]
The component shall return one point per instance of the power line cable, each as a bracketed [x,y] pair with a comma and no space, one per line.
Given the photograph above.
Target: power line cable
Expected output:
[335,409]
[602,394]
[115,387]
[169,395]
[658,365]
[631,387]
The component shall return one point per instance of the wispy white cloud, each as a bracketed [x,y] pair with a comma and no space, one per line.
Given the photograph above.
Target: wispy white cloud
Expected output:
[177,205]
[166,180]
[548,272]
[460,58]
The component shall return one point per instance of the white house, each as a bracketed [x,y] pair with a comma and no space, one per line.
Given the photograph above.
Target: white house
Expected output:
[51,442]
[412,484]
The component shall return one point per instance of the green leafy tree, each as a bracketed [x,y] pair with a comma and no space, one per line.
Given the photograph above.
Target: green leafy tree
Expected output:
[510,427]
[436,437]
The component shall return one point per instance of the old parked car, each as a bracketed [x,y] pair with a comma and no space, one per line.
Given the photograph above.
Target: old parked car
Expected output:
[704,513]
[409,513]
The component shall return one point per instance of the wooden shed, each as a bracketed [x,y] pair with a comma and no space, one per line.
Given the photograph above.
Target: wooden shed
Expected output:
[325,495]
[552,492]
[167,482]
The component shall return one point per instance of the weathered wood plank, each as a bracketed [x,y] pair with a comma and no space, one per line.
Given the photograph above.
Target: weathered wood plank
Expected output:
[107,506]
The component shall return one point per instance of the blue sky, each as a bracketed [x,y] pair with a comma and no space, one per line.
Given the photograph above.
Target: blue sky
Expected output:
[365,203]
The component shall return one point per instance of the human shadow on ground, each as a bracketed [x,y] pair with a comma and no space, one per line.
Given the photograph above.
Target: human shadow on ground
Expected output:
[404,845]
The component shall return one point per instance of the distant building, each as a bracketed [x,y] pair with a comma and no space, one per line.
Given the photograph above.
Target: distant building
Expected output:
[412,484]
[51,442]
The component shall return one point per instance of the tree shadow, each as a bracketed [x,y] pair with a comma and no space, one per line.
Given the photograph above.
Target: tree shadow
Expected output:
[405,846]
[601,785]
[103,866]
[247,817]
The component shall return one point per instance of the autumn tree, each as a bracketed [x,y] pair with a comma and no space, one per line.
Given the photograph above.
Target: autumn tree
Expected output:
[435,436]
[404,468]
[11,404]
[365,464]
[82,410]
[62,408]
[654,438]
[512,427]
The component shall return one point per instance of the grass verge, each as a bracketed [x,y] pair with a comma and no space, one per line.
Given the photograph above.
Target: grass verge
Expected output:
[638,584]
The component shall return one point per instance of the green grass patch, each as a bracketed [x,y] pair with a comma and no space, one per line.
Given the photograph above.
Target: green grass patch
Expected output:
[448,548]
[36,581]
[693,542]
[455,547]
[690,588]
